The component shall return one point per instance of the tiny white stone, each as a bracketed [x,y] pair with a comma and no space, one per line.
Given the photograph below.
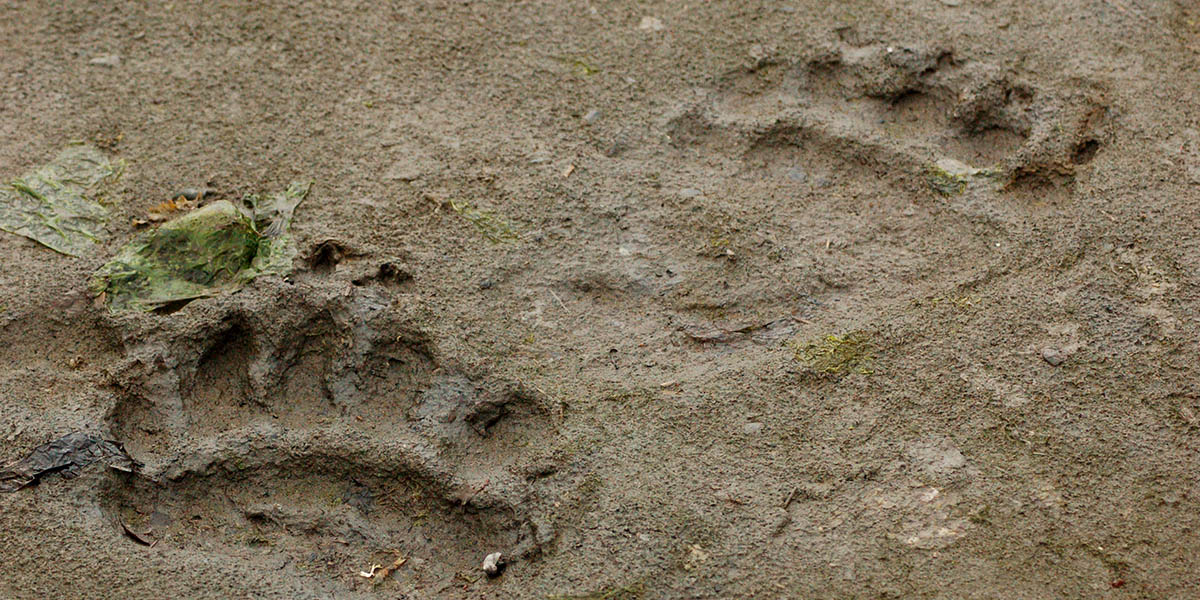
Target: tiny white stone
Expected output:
[492,564]
[107,60]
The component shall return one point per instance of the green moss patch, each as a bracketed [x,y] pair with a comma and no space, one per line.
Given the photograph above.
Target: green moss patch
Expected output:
[495,229]
[838,354]
[944,182]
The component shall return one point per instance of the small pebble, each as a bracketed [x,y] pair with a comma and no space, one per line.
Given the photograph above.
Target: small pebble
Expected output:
[493,565]
[797,174]
[1053,356]
[752,428]
[689,193]
[956,167]
[189,193]
[106,60]
[651,24]
[486,284]
[592,116]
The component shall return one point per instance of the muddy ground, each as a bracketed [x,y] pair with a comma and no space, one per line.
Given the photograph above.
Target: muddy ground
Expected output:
[660,300]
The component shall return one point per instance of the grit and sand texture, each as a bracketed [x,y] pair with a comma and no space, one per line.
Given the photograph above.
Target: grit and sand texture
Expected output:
[766,299]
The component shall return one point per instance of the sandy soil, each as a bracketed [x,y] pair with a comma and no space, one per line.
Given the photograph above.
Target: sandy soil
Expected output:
[568,279]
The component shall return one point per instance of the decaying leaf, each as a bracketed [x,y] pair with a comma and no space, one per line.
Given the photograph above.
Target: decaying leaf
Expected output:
[140,538]
[214,249]
[396,564]
[164,210]
[51,204]
[67,454]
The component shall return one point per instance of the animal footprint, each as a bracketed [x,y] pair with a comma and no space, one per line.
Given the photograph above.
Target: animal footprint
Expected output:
[902,106]
[316,423]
